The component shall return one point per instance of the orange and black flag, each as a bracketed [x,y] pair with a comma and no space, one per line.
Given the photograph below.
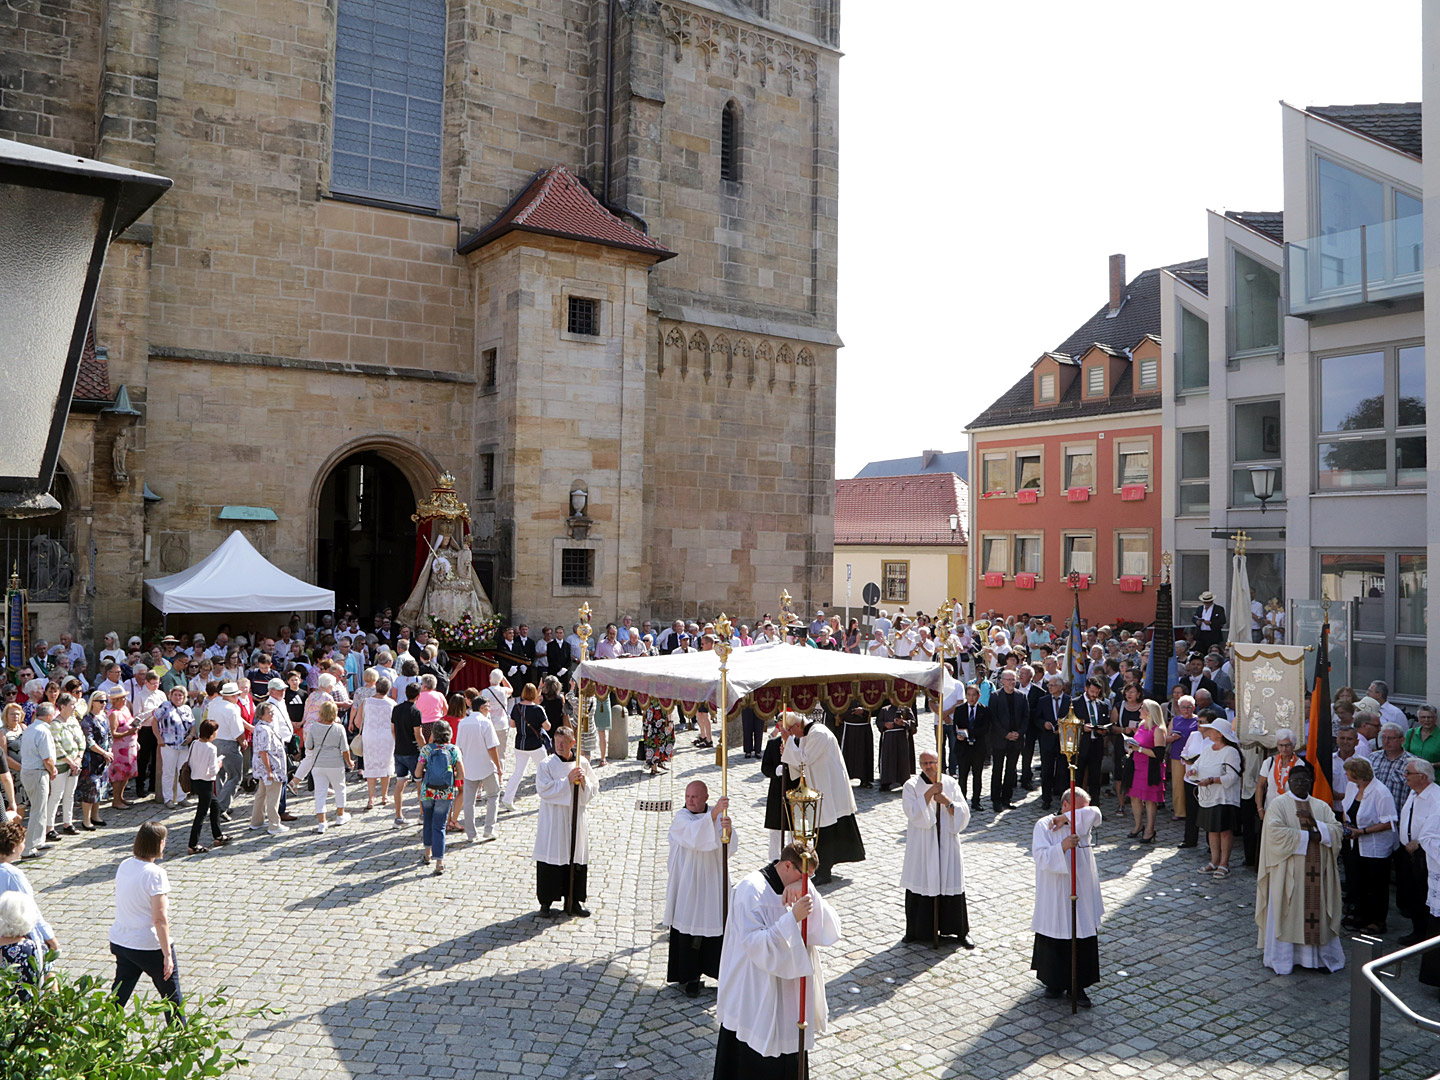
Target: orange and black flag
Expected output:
[1320,747]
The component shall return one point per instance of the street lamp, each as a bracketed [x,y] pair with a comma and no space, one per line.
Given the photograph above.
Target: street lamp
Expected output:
[58,215]
[1262,483]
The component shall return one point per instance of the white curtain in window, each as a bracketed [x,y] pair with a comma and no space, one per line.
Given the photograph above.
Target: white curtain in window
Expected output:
[1134,558]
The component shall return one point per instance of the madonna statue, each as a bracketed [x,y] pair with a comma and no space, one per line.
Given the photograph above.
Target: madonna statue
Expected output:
[445,582]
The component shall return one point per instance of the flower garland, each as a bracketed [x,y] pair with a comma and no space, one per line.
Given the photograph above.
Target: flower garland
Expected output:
[467,633]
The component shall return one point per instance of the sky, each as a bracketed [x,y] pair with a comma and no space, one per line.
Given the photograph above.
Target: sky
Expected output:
[994,155]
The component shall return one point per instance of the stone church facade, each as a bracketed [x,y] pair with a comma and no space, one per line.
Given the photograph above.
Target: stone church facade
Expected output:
[402,241]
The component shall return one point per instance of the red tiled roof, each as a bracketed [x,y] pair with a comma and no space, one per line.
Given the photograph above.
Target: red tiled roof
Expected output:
[900,509]
[556,203]
[92,381]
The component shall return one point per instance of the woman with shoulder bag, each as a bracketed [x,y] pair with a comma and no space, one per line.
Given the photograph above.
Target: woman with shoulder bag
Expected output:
[203,762]
[531,734]
[327,756]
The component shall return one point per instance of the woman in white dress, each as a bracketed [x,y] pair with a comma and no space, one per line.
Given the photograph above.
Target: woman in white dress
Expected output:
[377,742]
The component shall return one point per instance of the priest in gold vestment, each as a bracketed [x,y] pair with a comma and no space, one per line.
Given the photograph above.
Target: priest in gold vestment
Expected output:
[1297,891]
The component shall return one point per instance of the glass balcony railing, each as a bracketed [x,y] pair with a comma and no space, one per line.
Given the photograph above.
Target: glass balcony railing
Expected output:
[1373,263]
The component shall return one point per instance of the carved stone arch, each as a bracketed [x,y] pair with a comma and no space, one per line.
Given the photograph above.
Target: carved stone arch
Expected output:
[674,354]
[765,357]
[721,347]
[805,358]
[701,348]
[786,356]
[745,352]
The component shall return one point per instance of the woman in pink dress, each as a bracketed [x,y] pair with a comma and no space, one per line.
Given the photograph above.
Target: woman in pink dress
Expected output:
[1148,763]
[123,732]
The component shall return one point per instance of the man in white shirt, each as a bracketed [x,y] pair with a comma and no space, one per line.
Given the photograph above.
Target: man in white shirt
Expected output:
[68,648]
[1389,714]
[573,640]
[480,751]
[1347,742]
[883,624]
[111,680]
[1367,727]
[904,641]
[225,711]
[1412,874]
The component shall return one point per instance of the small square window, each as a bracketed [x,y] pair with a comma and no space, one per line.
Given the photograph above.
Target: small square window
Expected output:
[584,316]
[1149,374]
[487,369]
[896,576]
[577,568]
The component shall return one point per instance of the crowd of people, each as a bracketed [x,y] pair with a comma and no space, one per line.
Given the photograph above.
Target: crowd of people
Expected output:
[193,723]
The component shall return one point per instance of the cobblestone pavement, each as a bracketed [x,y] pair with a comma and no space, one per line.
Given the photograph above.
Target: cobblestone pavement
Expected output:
[383,970]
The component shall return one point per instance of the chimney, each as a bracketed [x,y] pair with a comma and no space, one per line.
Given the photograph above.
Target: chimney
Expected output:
[927,458]
[1117,282]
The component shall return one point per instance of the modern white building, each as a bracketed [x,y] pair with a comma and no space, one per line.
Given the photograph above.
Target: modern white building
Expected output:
[1300,360]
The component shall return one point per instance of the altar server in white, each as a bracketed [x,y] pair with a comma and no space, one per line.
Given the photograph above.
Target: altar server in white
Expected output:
[933,865]
[814,747]
[1050,845]
[761,972]
[558,780]
[695,889]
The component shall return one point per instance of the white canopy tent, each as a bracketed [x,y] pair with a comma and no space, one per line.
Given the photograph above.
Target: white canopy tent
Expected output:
[235,577]
[694,677]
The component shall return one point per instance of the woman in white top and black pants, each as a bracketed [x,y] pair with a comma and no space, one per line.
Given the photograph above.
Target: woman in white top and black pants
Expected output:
[140,934]
[1368,815]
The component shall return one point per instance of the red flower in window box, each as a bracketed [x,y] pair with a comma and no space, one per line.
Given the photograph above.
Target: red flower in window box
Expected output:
[1029,495]
[1078,494]
[994,580]
[1024,581]
[1132,492]
[1132,583]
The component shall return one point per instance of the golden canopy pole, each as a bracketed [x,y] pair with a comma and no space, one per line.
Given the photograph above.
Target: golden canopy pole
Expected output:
[1070,746]
[722,650]
[804,804]
[942,641]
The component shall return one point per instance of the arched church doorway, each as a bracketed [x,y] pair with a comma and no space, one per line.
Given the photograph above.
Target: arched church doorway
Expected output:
[365,540]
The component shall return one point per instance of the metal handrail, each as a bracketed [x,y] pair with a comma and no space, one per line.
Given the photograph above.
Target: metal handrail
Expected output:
[1375,980]
[1365,1002]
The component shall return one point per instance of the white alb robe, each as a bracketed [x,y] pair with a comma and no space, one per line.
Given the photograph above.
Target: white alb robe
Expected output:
[763,963]
[933,867]
[695,887]
[1429,840]
[1052,878]
[819,753]
[552,833]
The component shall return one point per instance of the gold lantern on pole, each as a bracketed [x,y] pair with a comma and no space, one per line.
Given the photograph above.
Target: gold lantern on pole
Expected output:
[1070,747]
[804,805]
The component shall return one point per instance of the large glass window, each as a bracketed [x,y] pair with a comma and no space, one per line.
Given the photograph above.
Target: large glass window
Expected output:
[1257,442]
[1079,554]
[1079,467]
[1132,463]
[1194,356]
[1027,555]
[1132,554]
[1027,470]
[1192,577]
[993,554]
[1371,417]
[994,468]
[1194,455]
[389,97]
[1257,305]
[1409,235]
[1266,570]
[1387,593]
[1346,201]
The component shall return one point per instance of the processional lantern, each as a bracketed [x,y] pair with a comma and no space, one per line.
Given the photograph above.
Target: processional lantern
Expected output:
[1070,734]
[804,802]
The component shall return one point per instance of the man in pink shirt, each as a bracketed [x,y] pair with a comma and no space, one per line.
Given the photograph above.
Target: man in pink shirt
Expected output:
[431,702]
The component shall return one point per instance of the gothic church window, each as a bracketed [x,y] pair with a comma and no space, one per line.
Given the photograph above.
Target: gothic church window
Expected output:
[389,97]
[730,143]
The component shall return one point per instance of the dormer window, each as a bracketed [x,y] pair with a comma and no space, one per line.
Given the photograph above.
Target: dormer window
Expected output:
[1095,381]
[1045,387]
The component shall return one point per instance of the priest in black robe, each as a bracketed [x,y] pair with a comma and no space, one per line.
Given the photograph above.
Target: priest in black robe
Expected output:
[857,746]
[897,745]
[777,813]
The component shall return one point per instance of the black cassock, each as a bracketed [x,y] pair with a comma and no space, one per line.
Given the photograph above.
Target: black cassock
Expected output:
[857,747]
[777,815]
[897,745]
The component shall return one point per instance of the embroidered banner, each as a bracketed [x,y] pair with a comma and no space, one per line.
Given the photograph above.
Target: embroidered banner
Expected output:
[767,701]
[1269,687]
[804,697]
[872,693]
[903,693]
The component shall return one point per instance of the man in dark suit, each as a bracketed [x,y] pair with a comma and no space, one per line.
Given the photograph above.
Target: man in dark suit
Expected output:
[970,743]
[1195,679]
[1047,722]
[1209,623]
[1034,694]
[557,651]
[1094,713]
[1009,717]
